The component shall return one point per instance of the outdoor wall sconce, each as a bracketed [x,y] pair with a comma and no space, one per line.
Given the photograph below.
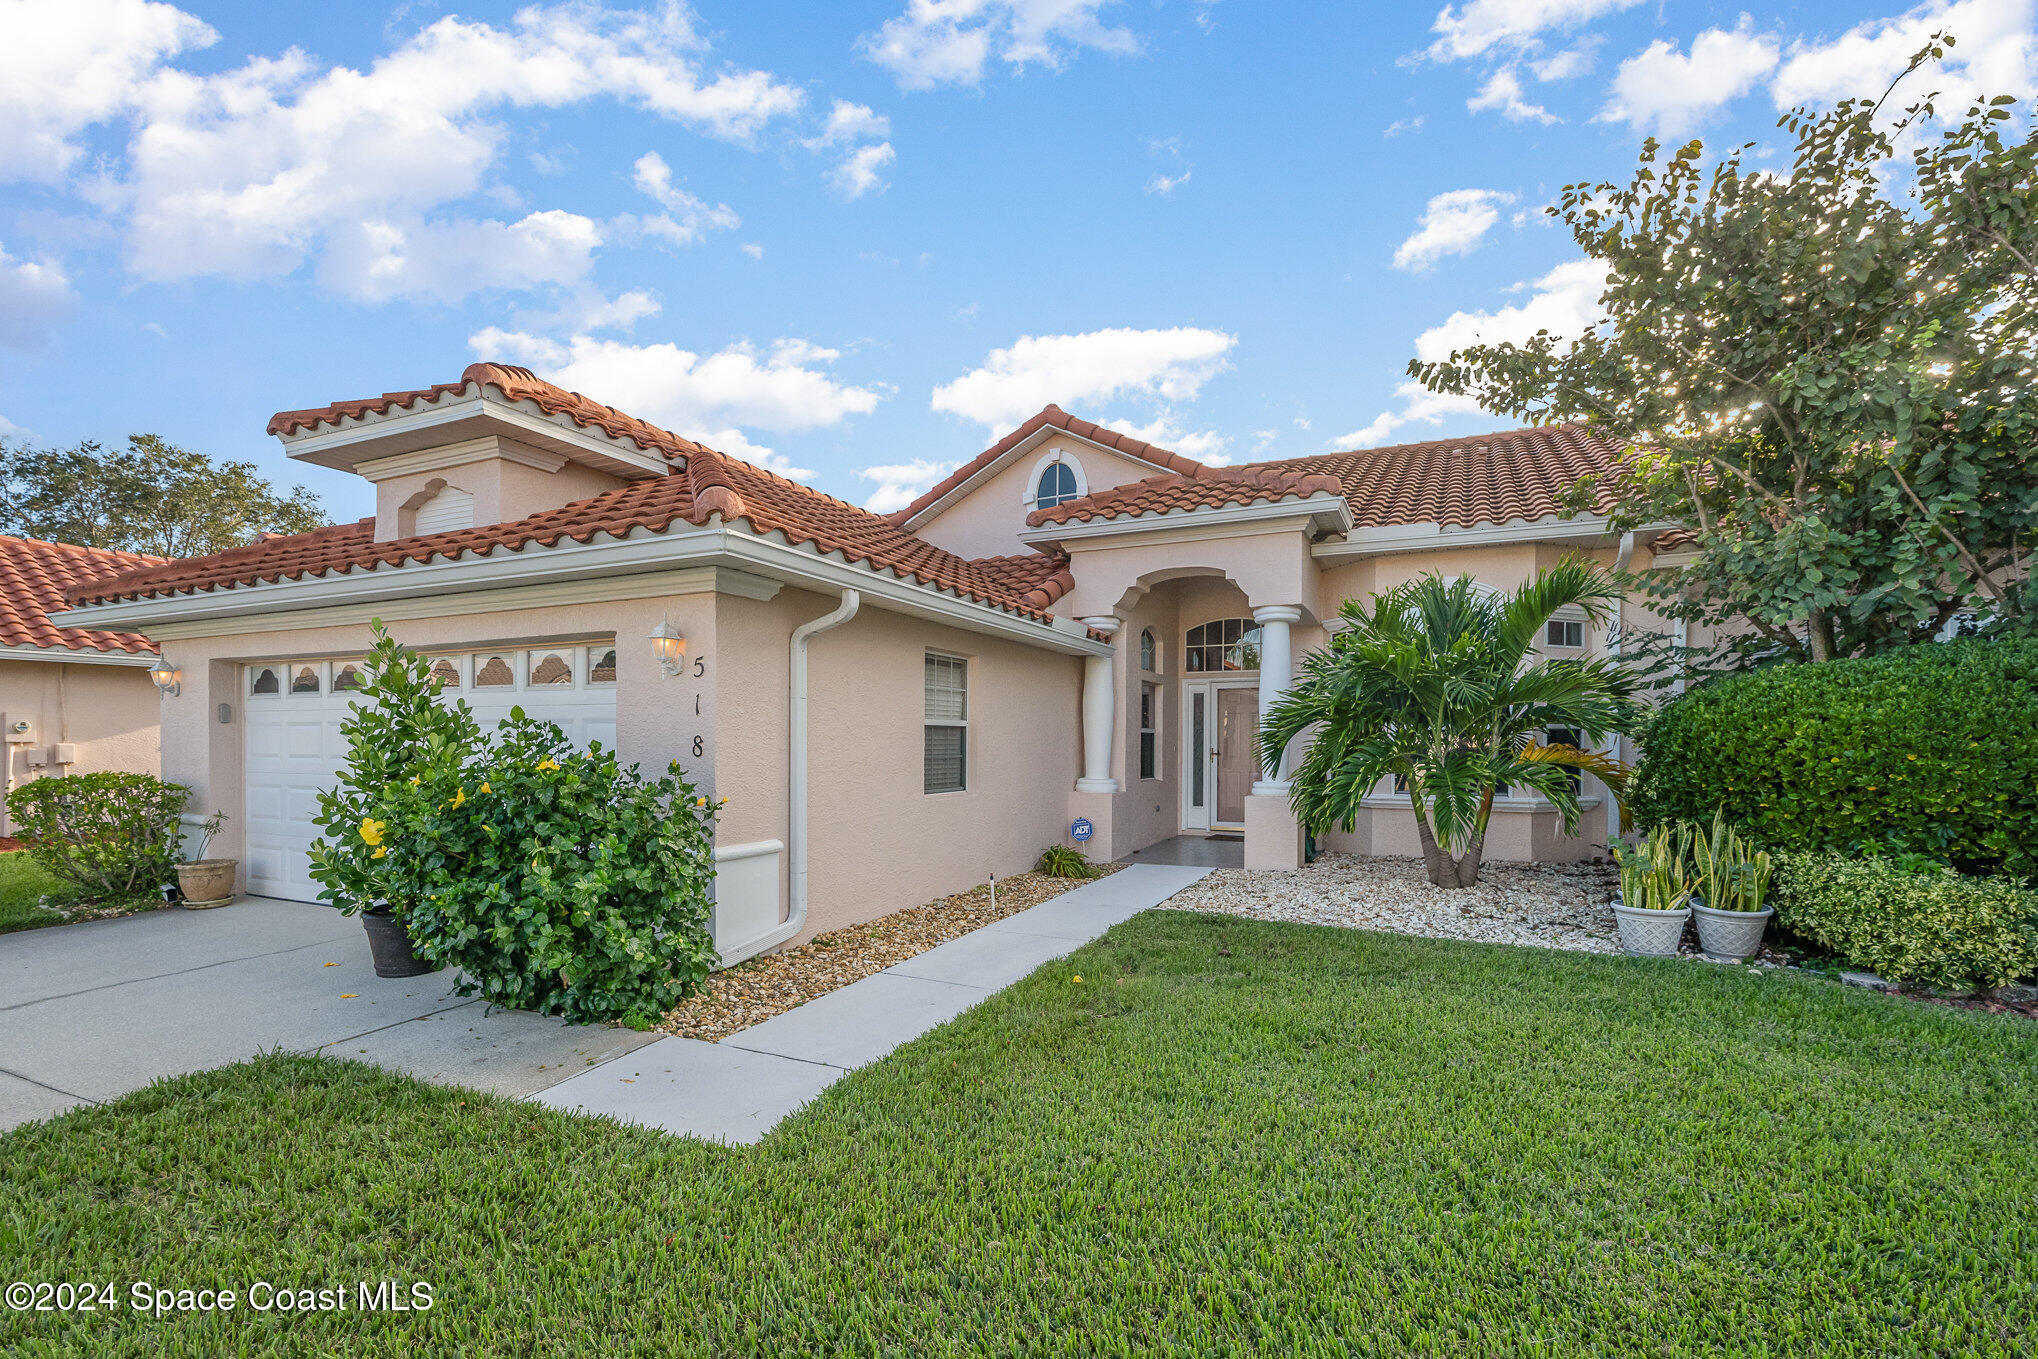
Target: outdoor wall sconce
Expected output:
[168,678]
[669,647]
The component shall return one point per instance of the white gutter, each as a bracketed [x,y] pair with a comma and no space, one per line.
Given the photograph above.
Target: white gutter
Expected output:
[796,779]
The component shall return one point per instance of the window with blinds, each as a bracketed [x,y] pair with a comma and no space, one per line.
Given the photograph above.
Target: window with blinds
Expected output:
[945,761]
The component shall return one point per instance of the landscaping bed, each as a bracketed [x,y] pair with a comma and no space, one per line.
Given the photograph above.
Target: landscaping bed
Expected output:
[1230,1137]
[754,991]
[31,897]
[1547,905]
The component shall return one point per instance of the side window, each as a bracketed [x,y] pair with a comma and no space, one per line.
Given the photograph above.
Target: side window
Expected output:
[1565,632]
[945,753]
[1149,653]
[1149,730]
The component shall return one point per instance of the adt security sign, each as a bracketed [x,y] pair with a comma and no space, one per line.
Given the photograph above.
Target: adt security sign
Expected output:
[1080,829]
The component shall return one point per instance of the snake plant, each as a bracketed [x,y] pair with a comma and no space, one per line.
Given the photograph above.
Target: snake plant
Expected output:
[1732,874]
[1656,875]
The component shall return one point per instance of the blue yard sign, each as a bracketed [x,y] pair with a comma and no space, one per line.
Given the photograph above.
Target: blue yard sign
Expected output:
[1081,829]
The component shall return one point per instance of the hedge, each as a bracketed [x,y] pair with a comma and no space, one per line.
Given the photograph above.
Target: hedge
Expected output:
[114,834]
[1931,750]
[1935,927]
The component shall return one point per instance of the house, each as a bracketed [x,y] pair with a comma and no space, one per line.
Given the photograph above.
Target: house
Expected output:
[72,700]
[1075,625]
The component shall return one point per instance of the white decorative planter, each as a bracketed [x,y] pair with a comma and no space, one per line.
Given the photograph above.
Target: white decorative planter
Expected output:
[1651,934]
[1731,934]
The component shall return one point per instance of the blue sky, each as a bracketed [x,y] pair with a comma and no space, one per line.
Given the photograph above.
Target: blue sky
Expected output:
[853,240]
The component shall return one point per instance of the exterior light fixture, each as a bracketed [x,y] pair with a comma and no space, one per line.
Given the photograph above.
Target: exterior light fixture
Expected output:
[669,646]
[169,680]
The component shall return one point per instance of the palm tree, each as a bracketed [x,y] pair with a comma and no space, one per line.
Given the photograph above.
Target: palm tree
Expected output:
[1433,686]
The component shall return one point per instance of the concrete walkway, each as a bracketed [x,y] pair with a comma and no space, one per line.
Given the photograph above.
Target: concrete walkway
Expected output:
[94,1010]
[738,1089]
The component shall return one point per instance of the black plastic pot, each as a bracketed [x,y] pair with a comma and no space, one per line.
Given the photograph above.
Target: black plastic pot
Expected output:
[389,942]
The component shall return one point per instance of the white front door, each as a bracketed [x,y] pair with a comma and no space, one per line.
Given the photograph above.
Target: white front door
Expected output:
[295,750]
[1220,721]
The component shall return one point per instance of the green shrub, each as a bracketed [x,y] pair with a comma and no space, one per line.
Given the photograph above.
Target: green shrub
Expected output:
[1933,750]
[555,879]
[1935,927]
[562,882]
[115,835]
[1059,861]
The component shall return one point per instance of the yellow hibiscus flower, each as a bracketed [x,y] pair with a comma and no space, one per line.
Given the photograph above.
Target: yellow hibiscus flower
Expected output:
[459,798]
[380,850]
[371,831]
[545,764]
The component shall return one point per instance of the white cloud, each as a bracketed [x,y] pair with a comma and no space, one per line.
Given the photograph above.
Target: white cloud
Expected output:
[378,260]
[686,219]
[1166,431]
[1484,25]
[1401,125]
[1502,94]
[787,388]
[1453,224]
[899,484]
[1996,54]
[1572,61]
[737,444]
[753,249]
[1167,184]
[10,430]
[35,298]
[251,171]
[1661,90]
[948,42]
[1564,301]
[862,170]
[854,133]
[68,64]
[1167,365]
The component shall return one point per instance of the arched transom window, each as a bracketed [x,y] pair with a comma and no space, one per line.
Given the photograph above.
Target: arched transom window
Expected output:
[1225,644]
[1057,485]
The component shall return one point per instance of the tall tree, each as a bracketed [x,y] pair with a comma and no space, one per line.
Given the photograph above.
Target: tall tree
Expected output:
[150,496]
[1825,374]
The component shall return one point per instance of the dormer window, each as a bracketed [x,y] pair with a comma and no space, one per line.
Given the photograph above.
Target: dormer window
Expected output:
[1057,486]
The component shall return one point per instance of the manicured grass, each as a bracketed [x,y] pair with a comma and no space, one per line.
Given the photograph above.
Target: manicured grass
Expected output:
[1229,1138]
[22,883]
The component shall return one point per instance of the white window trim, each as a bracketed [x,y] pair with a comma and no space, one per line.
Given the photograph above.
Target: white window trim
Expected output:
[1570,613]
[927,721]
[1030,496]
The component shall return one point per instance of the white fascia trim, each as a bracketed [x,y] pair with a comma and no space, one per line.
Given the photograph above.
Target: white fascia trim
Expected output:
[1319,507]
[601,559]
[1017,451]
[1429,536]
[66,656]
[456,406]
[457,455]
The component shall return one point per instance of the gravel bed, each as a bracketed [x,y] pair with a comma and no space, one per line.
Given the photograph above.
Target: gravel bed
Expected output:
[1567,906]
[752,992]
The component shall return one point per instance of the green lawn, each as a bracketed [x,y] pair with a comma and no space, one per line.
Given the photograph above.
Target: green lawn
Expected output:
[1229,1138]
[22,883]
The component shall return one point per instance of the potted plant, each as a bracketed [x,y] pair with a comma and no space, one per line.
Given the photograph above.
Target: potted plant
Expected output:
[204,883]
[1733,880]
[1655,891]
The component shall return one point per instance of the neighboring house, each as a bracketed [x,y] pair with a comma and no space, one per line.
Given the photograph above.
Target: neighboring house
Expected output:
[72,700]
[1075,624]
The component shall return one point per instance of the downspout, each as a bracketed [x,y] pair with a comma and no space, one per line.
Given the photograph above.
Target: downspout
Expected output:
[1621,559]
[796,819]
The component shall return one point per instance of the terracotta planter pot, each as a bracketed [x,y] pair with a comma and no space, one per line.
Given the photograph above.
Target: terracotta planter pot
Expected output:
[206,883]
[389,944]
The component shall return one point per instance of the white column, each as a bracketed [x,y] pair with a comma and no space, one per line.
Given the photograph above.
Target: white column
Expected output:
[1100,710]
[1277,672]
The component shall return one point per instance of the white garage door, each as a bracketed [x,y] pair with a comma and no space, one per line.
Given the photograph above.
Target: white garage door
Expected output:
[295,750]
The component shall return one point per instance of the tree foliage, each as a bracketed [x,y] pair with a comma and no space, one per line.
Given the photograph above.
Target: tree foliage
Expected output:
[150,496]
[1825,373]
[1431,683]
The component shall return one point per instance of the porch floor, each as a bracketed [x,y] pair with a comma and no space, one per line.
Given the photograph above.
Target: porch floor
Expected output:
[1192,851]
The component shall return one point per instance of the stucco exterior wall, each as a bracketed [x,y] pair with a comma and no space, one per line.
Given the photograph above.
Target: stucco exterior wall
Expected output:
[503,490]
[986,522]
[656,721]
[108,712]
[879,842]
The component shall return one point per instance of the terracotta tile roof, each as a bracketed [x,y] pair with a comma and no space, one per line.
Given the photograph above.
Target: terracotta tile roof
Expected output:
[1051,415]
[513,384]
[34,576]
[1207,490]
[1478,479]
[706,486]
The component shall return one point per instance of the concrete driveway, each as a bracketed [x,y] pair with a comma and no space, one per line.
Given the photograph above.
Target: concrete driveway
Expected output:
[91,1011]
